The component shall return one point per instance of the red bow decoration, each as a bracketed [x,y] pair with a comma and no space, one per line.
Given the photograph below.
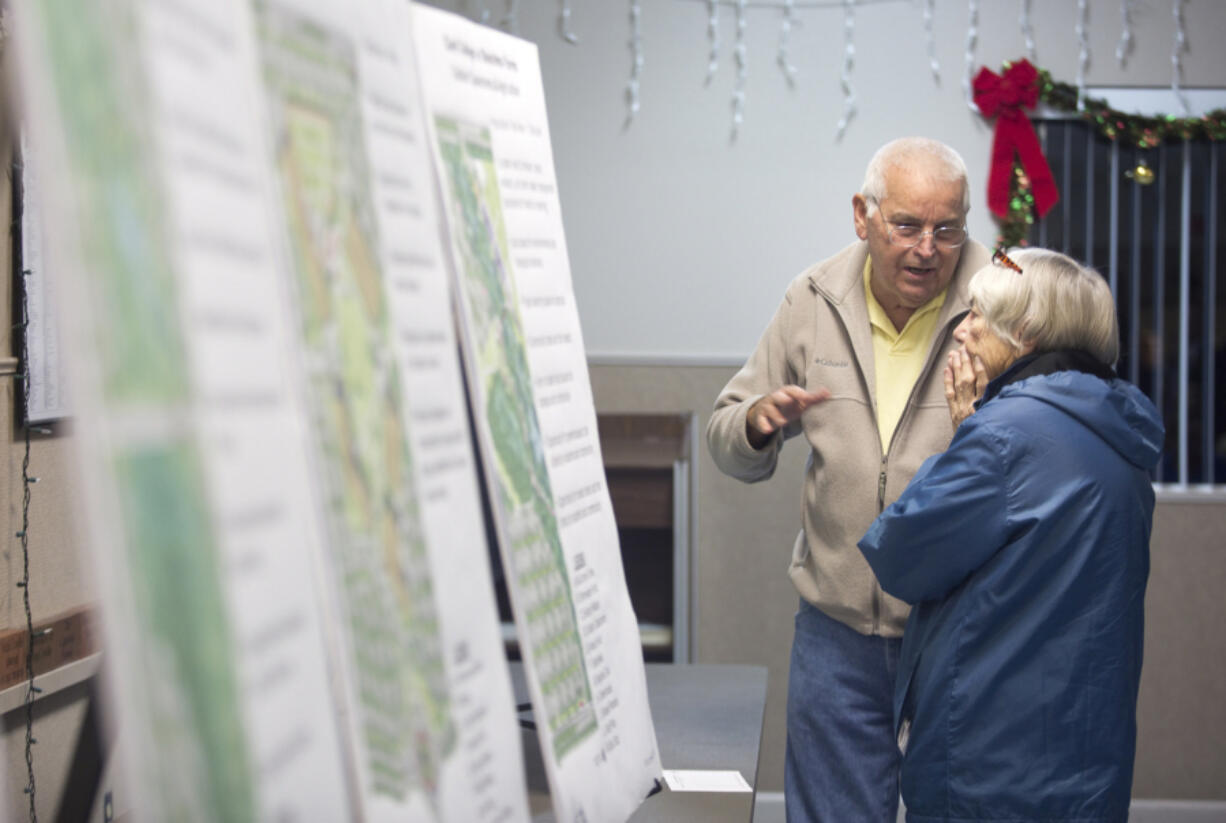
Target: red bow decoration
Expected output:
[1005,95]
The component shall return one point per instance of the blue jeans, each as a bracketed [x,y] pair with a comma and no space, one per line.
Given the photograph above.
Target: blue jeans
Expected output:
[842,756]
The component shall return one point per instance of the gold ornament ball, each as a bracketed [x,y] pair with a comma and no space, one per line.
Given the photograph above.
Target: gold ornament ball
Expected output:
[1141,174]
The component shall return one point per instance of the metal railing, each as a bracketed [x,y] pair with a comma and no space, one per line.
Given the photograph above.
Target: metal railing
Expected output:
[1158,239]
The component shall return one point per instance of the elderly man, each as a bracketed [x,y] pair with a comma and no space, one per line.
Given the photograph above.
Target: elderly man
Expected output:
[854,359]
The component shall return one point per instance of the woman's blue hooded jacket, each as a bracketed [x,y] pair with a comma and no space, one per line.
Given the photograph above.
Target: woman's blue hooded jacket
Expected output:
[1025,550]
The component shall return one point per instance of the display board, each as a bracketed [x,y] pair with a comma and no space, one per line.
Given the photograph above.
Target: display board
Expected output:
[424,676]
[534,415]
[199,520]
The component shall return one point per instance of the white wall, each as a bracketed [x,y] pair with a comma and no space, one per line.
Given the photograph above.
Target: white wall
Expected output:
[682,242]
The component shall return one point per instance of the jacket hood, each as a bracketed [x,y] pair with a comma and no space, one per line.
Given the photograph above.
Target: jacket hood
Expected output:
[1114,409]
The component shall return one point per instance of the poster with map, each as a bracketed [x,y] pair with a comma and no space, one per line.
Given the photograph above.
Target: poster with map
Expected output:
[199,520]
[535,420]
[524,495]
[427,690]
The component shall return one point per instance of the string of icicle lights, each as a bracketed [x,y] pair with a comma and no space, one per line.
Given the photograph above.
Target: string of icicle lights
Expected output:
[972,39]
[1181,45]
[1023,21]
[930,35]
[1083,50]
[788,21]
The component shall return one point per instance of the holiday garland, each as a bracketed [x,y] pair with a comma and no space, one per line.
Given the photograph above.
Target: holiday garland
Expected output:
[1018,211]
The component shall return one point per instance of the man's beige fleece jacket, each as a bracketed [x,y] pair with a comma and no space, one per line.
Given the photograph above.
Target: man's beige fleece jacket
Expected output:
[821,337]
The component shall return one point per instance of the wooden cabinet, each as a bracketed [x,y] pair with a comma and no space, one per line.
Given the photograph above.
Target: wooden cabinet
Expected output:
[649,469]
[649,466]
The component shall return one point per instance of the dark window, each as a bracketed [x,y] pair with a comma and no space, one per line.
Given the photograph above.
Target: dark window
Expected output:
[1161,246]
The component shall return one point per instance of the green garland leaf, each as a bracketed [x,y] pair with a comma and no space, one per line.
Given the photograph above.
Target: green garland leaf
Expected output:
[1139,130]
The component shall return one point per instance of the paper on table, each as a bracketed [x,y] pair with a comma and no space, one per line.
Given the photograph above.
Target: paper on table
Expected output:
[705,780]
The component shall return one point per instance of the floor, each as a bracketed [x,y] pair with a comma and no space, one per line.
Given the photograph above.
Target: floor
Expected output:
[769,809]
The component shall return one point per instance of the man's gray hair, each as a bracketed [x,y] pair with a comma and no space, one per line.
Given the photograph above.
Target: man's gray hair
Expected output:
[1055,303]
[950,167]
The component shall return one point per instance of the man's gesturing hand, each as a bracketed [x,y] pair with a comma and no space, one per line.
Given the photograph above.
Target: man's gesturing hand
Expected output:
[775,410]
[965,380]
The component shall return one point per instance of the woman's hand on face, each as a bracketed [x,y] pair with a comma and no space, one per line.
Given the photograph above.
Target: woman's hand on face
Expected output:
[965,380]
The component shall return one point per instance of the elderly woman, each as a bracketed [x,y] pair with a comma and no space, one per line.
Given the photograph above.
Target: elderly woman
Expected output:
[1025,550]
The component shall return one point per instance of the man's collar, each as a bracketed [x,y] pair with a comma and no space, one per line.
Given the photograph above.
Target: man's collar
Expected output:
[836,277]
[877,314]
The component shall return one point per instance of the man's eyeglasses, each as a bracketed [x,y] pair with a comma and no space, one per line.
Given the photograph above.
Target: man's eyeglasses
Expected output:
[1001,259]
[908,236]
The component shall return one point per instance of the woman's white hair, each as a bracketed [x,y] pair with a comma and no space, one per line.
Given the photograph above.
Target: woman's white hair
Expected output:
[909,151]
[1055,303]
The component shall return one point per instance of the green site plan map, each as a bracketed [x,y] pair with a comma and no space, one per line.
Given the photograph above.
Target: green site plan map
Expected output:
[184,647]
[522,486]
[378,548]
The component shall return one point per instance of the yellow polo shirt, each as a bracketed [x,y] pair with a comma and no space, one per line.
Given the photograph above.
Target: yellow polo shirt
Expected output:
[898,356]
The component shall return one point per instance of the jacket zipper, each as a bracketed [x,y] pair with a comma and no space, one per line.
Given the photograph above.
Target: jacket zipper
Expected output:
[881,486]
[880,509]
[885,458]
